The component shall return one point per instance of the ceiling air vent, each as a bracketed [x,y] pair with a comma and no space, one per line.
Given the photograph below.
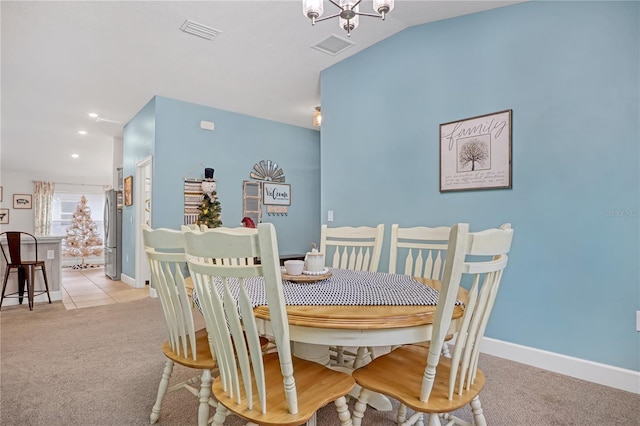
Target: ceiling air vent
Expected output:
[200,30]
[333,45]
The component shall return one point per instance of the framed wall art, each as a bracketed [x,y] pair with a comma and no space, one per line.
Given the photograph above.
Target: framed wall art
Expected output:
[22,201]
[4,216]
[475,153]
[128,190]
[277,194]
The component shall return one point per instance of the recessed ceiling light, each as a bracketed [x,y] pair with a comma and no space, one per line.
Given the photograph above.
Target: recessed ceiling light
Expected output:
[82,132]
[93,115]
[74,156]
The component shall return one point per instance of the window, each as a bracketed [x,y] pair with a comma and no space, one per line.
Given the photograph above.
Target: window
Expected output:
[64,206]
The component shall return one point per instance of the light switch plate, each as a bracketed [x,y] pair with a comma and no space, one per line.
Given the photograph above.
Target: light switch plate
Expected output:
[637,320]
[330,216]
[51,254]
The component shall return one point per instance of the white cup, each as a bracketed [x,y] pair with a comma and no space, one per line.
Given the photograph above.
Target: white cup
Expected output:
[294,267]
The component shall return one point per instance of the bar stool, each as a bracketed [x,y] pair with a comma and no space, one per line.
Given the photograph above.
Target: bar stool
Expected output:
[26,268]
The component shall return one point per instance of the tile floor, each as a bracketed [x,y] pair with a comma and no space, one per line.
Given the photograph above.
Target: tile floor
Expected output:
[83,288]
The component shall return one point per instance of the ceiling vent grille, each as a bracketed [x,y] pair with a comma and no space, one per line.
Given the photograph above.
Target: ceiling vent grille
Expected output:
[200,30]
[333,45]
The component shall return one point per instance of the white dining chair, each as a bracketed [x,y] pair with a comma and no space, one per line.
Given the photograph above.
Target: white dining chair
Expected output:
[418,251]
[271,389]
[186,345]
[429,382]
[355,248]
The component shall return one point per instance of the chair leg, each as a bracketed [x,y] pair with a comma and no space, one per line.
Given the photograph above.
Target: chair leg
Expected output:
[220,416]
[476,410]
[343,411]
[46,282]
[30,272]
[21,282]
[360,407]
[205,393]
[402,414]
[434,420]
[162,391]
[4,284]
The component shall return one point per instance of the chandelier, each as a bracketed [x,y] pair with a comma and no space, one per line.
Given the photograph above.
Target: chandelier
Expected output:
[349,12]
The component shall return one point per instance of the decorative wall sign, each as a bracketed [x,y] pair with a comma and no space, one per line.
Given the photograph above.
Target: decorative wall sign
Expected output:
[128,190]
[22,201]
[277,210]
[192,199]
[475,153]
[267,171]
[4,216]
[276,194]
[252,200]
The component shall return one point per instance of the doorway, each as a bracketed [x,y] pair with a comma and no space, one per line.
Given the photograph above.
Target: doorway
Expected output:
[142,196]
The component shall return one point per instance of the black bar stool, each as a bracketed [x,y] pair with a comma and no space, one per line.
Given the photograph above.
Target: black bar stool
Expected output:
[26,268]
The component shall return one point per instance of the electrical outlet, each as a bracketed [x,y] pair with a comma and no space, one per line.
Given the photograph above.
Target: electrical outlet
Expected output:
[126,258]
[330,216]
[51,254]
[637,320]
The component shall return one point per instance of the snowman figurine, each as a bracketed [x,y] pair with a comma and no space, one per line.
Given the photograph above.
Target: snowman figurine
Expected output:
[208,185]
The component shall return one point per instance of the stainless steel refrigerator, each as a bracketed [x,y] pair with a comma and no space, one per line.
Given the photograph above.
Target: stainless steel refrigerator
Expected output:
[112,235]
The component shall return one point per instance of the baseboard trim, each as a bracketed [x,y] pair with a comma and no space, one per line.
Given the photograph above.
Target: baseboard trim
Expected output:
[128,280]
[603,374]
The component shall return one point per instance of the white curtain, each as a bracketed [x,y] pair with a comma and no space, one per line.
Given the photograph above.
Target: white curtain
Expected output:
[43,202]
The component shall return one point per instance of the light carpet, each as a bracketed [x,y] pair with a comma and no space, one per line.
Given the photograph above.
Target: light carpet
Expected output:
[101,366]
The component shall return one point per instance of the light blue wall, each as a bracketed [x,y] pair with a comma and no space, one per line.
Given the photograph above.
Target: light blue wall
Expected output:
[570,73]
[237,143]
[138,144]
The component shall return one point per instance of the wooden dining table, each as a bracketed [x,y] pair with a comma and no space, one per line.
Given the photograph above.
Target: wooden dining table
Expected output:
[314,328]
[363,325]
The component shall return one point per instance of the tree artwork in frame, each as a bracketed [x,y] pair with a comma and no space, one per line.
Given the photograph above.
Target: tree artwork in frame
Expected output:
[475,153]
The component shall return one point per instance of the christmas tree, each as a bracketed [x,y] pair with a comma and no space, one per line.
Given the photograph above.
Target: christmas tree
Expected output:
[82,237]
[209,209]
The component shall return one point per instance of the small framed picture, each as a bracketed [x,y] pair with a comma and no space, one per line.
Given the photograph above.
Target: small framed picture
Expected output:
[22,201]
[128,190]
[4,216]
